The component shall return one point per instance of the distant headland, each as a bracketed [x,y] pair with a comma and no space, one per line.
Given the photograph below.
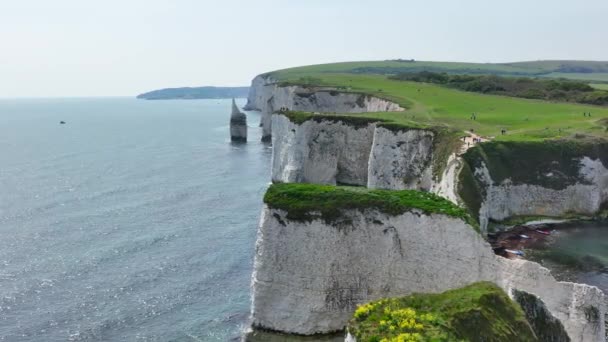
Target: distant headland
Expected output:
[192,93]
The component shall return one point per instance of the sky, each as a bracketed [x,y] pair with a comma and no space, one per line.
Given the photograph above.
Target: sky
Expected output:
[69,48]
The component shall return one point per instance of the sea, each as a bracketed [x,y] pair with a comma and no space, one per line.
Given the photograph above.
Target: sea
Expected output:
[576,251]
[136,221]
[133,221]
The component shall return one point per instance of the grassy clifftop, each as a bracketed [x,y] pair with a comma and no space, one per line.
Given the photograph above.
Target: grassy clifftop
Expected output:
[579,70]
[434,105]
[478,312]
[305,202]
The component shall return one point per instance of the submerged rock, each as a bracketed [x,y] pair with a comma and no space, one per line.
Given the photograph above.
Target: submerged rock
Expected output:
[238,124]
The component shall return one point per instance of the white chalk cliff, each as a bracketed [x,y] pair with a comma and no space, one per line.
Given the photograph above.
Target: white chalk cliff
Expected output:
[268,96]
[309,276]
[506,199]
[333,151]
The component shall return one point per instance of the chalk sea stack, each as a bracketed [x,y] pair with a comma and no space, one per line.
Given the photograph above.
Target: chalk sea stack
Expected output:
[238,124]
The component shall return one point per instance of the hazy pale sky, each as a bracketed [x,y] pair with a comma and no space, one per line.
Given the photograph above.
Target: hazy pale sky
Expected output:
[125,47]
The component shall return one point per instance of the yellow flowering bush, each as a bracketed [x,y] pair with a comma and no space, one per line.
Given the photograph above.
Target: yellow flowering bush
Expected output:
[363,310]
[478,312]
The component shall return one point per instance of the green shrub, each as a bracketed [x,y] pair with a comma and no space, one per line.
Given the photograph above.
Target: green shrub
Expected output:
[478,312]
[560,90]
[306,202]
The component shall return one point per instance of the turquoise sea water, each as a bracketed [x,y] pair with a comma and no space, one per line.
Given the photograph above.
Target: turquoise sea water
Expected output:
[577,251]
[134,221]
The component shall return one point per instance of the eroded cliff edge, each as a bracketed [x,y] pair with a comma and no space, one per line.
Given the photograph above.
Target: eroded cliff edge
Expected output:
[321,251]
[268,96]
[558,178]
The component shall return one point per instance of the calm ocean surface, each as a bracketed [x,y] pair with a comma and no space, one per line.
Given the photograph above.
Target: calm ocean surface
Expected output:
[134,221]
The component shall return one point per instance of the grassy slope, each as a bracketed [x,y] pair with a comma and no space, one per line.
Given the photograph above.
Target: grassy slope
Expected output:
[434,105]
[602,86]
[478,312]
[535,68]
[305,202]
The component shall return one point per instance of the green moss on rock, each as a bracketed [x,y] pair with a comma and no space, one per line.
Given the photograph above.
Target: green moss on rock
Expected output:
[469,190]
[305,202]
[478,312]
[551,164]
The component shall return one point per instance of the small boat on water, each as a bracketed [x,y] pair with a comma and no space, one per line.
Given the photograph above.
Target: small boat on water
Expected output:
[544,232]
[62,122]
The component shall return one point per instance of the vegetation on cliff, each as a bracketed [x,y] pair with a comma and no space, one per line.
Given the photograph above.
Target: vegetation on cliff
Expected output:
[552,165]
[478,312]
[576,70]
[305,202]
[436,105]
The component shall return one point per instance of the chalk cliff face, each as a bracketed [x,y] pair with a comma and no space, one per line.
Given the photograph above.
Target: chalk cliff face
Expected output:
[506,200]
[309,276]
[268,96]
[401,159]
[333,150]
[575,184]
[324,152]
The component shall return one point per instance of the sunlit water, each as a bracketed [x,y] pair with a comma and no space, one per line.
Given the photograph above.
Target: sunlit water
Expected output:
[135,220]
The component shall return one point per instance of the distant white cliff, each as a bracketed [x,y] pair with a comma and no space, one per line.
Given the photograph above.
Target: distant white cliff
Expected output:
[268,96]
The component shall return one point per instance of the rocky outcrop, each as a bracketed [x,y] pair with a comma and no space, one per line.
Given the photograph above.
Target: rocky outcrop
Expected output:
[557,179]
[546,327]
[356,151]
[401,159]
[324,151]
[238,124]
[268,96]
[309,275]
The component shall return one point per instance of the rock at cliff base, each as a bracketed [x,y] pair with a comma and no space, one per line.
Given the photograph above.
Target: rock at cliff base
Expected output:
[238,124]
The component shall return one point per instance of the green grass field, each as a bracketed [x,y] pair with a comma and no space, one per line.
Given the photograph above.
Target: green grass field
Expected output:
[433,105]
[602,86]
[304,202]
[594,70]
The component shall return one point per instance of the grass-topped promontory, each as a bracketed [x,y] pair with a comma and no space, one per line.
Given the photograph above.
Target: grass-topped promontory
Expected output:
[305,202]
[435,105]
[478,312]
